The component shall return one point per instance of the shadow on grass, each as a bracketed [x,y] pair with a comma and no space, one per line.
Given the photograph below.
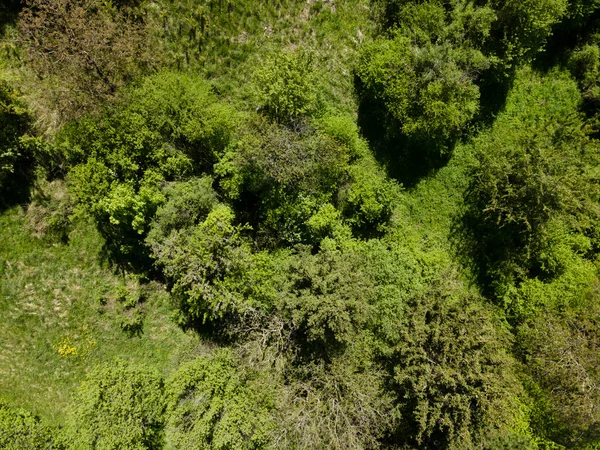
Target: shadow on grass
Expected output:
[406,160]
[9,12]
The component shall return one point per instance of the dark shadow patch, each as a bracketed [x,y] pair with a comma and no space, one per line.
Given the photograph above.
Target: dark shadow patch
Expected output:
[406,160]
[9,13]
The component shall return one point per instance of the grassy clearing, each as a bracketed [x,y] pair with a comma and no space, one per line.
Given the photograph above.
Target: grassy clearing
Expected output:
[54,325]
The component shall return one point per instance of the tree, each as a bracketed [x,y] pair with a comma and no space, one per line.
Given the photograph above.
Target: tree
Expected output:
[565,380]
[286,86]
[214,403]
[535,165]
[19,430]
[168,128]
[454,380]
[118,406]
[423,73]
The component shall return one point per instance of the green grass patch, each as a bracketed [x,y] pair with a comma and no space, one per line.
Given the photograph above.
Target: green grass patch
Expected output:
[60,318]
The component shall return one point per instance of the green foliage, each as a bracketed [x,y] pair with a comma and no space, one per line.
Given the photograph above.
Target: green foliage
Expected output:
[118,406]
[368,200]
[330,298]
[423,74]
[565,369]
[214,272]
[215,403]
[21,430]
[279,178]
[534,165]
[287,86]
[454,380]
[524,27]
[169,128]
[341,404]
[585,66]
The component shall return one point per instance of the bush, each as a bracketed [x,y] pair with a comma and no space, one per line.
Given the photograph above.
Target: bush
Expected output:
[565,372]
[16,157]
[118,406]
[423,74]
[169,128]
[214,403]
[534,166]
[454,381]
[21,430]
[584,63]
[330,299]
[214,272]
[286,86]
[86,51]
[278,178]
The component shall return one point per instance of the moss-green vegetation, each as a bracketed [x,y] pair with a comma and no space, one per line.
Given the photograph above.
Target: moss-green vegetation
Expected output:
[349,224]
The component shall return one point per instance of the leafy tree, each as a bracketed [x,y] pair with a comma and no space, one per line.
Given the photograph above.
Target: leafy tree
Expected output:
[454,381]
[330,298]
[278,179]
[564,371]
[523,28]
[339,404]
[584,63]
[534,165]
[423,73]
[169,128]
[16,156]
[286,86]
[214,272]
[214,403]
[118,406]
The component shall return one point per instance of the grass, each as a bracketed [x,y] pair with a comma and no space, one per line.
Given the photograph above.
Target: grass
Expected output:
[54,325]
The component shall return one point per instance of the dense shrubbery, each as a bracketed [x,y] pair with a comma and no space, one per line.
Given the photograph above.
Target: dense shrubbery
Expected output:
[535,168]
[170,128]
[20,429]
[215,403]
[118,406]
[332,308]
[424,73]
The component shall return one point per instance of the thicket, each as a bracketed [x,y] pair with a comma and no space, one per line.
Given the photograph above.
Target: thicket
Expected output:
[336,311]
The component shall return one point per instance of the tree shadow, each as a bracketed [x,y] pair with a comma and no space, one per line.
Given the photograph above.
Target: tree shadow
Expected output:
[9,13]
[406,160]
[494,86]
[16,186]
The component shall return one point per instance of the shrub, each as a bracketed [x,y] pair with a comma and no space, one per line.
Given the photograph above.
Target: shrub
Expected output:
[87,49]
[565,372]
[21,430]
[214,403]
[534,166]
[423,74]
[169,128]
[286,86]
[118,406]
[212,267]
[16,157]
[454,381]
